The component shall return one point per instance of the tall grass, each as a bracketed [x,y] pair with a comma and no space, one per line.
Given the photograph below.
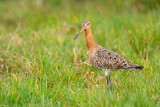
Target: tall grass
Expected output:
[41,64]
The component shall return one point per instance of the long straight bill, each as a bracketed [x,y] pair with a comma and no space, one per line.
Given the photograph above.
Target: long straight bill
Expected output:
[76,36]
[79,32]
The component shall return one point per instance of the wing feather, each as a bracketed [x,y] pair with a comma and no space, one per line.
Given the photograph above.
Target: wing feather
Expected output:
[106,59]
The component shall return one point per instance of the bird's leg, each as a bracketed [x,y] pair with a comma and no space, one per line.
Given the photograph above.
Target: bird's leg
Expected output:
[109,84]
[108,79]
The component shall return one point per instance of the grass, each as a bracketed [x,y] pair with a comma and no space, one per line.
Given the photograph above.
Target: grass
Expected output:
[41,64]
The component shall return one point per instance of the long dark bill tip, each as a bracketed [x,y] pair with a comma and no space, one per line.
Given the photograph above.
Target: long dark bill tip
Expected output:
[76,36]
[80,31]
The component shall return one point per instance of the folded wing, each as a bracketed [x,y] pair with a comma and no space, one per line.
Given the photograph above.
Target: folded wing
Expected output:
[106,59]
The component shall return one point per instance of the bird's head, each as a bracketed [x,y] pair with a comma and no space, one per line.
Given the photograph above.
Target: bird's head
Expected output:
[85,26]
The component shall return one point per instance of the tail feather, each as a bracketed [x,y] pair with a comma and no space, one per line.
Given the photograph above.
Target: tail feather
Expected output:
[136,67]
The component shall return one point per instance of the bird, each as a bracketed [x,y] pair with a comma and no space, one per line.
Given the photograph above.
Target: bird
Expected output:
[104,59]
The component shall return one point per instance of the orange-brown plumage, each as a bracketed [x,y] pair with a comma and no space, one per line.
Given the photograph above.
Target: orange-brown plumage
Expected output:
[91,45]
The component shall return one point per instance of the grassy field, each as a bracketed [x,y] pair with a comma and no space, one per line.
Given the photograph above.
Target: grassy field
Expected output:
[42,65]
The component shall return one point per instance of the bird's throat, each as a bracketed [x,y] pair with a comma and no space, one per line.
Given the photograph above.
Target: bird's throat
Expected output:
[89,39]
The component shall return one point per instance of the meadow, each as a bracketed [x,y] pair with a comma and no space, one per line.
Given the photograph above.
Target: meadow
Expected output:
[42,65]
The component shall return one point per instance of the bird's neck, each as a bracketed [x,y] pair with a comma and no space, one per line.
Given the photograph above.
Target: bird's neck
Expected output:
[91,45]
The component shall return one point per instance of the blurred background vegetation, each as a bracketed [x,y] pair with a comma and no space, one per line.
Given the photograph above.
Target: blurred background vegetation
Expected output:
[41,64]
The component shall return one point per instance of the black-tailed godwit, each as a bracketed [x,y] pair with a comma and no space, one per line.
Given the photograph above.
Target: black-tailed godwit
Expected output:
[103,59]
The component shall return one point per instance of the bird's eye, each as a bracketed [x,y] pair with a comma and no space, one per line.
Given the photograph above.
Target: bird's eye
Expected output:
[87,23]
